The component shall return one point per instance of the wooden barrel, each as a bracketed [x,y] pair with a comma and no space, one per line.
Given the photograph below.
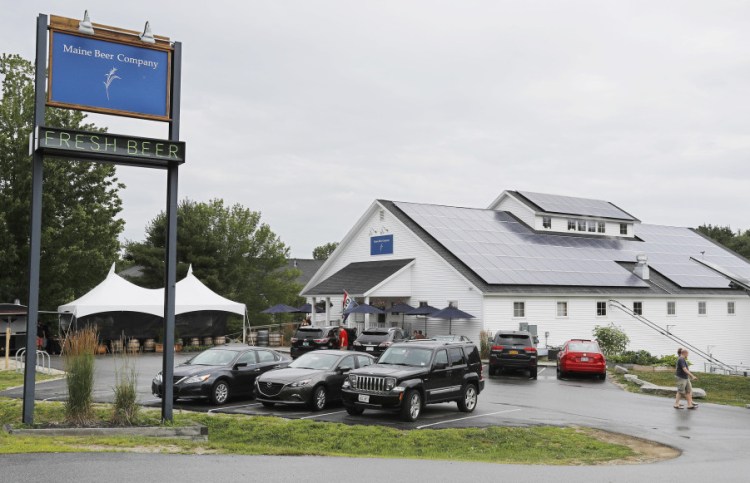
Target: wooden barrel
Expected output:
[274,339]
[195,341]
[220,340]
[208,341]
[115,345]
[263,338]
[134,345]
[149,345]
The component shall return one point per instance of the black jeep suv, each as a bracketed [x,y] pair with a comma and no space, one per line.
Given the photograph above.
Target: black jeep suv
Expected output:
[513,349]
[411,374]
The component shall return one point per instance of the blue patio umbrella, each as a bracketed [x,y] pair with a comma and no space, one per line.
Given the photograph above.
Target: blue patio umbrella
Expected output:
[307,309]
[281,309]
[400,308]
[423,310]
[364,309]
[451,313]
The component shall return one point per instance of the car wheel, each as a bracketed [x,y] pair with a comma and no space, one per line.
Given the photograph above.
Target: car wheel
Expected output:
[603,376]
[468,400]
[220,393]
[268,404]
[318,399]
[559,373]
[411,406]
[354,410]
[533,373]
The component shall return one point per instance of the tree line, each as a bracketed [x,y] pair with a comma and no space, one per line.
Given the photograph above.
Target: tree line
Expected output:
[738,241]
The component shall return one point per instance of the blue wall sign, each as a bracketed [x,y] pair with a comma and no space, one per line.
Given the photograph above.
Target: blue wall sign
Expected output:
[110,77]
[381,245]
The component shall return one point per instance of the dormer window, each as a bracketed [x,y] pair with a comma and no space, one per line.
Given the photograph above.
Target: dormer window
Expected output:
[581,225]
[571,225]
[547,222]
[623,228]
[600,227]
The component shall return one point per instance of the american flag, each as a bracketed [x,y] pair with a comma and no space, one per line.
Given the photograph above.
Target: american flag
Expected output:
[347,304]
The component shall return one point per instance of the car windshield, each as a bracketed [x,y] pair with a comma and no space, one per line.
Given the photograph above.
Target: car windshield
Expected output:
[315,360]
[513,339]
[406,356]
[583,347]
[309,333]
[213,357]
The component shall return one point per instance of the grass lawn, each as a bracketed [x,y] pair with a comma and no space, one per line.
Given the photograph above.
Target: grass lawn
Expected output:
[13,379]
[720,389]
[236,434]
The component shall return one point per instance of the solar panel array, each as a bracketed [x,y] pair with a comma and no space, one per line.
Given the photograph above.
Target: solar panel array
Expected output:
[575,206]
[503,251]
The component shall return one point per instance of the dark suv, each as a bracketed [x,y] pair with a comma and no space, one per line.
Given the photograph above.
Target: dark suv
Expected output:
[513,349]
[310,338]
[376,341]
[411,374]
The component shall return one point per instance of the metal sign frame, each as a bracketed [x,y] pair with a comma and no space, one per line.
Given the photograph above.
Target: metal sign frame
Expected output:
[35,231]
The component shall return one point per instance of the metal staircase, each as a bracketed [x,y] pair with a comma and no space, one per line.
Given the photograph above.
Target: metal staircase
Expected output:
[709,357]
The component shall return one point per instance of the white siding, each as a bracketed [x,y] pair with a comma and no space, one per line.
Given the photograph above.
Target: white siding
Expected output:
[523,212]
[432,279]
[728,334]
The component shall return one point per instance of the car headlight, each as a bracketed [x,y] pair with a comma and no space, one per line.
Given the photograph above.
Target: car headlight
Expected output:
[157,379]
[390,383]
[303,382]
[353,381]
[195,379]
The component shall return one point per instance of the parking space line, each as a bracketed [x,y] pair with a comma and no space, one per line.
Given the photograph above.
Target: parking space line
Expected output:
[232,407]
[321,415]
[467,417]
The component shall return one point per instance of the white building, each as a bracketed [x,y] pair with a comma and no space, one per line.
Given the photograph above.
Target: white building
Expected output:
[562,264]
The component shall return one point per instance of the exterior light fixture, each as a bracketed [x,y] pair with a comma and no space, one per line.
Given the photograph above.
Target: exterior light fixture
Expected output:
[147,36]
[84,26]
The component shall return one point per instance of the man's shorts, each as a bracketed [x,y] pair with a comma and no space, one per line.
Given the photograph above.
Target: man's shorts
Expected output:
[683,385]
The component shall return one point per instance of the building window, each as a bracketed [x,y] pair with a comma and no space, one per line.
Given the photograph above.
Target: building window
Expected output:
[638,308]
[562,309]
[547,222]
[600,227]
[571,225]
[701,308]
[519,309]
[601,309]
[592,227]
[623,228]
[423,303]
[730,308]
[671,308]
[581,225]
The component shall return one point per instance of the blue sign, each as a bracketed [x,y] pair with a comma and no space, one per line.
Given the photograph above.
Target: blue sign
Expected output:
[105,76]
[381,245]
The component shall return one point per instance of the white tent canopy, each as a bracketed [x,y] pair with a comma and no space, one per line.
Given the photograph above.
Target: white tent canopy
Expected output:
[115,294]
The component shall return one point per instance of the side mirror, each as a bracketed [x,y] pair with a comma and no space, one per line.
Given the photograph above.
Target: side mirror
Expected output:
[240,364]
[344,370]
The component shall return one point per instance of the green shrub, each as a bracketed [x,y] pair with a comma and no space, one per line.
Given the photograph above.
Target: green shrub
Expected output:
[612,339]
[78,350]
[641,357]
[125,407]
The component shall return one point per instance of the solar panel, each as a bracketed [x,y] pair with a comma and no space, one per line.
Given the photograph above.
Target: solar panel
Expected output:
[503,251]
[575,206]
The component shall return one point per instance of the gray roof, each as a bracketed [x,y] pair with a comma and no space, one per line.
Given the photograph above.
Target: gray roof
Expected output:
[499,254]
[569,205]
[308,267]
[358,278]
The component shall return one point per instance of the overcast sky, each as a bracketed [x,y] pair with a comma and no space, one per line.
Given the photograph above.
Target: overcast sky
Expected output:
[309,110]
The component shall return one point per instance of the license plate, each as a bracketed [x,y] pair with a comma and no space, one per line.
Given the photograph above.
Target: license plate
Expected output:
[363,398]
[513,353]
[305,344]
[369,349]
[584,359]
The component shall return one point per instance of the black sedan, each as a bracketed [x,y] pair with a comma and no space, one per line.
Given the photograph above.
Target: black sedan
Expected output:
[312,379]
[220,372]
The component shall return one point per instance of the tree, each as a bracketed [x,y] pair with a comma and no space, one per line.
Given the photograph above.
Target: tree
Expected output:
[612,340]
[324,251]
[80,203]
[738,242]
[230,250]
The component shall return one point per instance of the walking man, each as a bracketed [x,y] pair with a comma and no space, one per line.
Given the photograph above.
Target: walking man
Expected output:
[683,376]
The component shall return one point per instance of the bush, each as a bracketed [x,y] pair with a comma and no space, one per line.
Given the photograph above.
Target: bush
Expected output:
[612,339]
[125,407]
[641,357]
[484,344]
[78,350]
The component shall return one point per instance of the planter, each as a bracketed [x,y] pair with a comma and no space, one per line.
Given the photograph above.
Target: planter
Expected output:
[101,349]
[196,432]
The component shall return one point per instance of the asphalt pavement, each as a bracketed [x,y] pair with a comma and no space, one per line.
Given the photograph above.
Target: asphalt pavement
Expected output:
[714,439]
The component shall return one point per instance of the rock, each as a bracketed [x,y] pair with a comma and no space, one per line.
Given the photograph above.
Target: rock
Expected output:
[634,379]
[621,370]
[649,388]
[699,393]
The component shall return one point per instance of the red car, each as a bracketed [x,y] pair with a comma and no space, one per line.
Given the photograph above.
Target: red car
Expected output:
[581,356]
